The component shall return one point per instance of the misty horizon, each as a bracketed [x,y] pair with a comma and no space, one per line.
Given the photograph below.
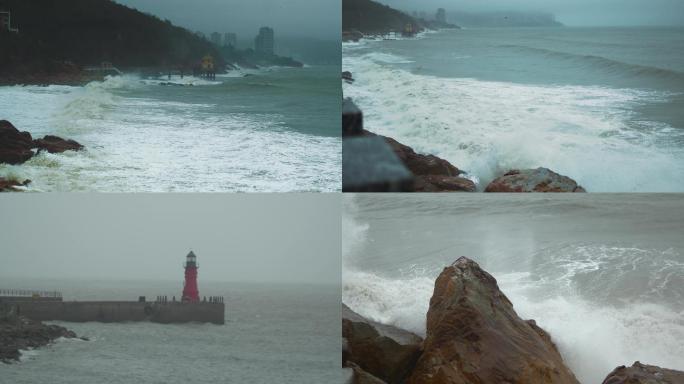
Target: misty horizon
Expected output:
[581,13]
[237,238]
[310,19]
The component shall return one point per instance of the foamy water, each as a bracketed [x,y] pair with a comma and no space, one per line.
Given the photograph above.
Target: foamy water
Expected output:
[481,107]
[606,295]
[231,134]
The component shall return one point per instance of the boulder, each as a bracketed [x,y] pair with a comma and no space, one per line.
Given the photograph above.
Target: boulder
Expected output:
[533,180]
[644,374]
[54,144]
[10,185]
[437,183]
[422,164]
[381,351]
[347,77]
[15,146]
[474,336]
[432,173]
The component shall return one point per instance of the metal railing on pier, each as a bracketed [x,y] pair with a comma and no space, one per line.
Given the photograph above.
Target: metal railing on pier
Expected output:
[29,293]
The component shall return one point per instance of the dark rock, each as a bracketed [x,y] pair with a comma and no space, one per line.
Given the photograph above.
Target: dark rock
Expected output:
[533,180]
[385,352]
[15,146]
[422,164]
[347,76]
[474,336]
[644,374]
[362,377]
[8,185]
[432,174]
[19,333]
[54,144]
[437,183]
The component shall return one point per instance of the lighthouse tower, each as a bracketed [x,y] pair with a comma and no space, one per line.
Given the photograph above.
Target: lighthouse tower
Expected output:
[190,291]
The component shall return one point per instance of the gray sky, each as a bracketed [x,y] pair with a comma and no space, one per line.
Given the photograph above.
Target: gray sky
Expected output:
[307,18]
[236,237]
[569,12]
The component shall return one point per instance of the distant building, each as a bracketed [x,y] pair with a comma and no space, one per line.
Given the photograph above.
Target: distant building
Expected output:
[264,43]
[441,16]
[230,39]
[216,38]
[6,22]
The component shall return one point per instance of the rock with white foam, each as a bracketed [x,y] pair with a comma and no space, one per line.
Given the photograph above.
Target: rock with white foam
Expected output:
[640,373]
[475,336]
[377,352]
[533,180]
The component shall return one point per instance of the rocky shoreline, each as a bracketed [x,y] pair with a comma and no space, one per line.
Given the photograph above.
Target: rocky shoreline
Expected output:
[17,147]
[434,174]
[18,333]
[473,336]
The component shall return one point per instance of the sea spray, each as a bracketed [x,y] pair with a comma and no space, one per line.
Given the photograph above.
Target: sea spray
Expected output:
[595,133]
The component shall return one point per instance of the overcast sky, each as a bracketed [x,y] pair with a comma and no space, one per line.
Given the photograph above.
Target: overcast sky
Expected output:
[236,237]
[569,12]
[310,18]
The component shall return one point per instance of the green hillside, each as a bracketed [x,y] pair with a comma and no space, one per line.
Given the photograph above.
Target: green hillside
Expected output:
[370,17]
[88,32]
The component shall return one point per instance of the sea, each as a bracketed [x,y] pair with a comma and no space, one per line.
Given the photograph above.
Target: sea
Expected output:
[602,273]
[604,106]
[274,333]
[268,130]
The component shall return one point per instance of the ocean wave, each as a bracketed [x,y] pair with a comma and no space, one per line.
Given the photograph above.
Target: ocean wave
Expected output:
[488,127]
[600,62]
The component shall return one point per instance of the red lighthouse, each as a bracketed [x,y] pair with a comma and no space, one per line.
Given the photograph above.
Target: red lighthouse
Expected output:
[190,291]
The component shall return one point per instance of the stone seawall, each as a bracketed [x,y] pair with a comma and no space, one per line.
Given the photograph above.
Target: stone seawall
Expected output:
[120,311]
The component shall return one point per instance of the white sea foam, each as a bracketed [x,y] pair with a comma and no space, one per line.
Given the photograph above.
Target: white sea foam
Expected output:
[138,140]
[593,335]
[487,127]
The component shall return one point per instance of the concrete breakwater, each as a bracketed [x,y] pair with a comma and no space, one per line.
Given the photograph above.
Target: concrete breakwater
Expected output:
[40,309]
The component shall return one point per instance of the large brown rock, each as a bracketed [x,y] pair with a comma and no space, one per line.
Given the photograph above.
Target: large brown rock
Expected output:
[15,146]
[432,174]
[533,180]
[437,183]
[644,374]
[55,144]
[474,336]
[385,352]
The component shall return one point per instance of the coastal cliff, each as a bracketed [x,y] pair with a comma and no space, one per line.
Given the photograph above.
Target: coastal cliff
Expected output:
[367,17]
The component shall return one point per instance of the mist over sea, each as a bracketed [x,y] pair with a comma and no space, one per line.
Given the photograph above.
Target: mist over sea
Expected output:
[273,333]
[603,274]
[604,106]
[274,130]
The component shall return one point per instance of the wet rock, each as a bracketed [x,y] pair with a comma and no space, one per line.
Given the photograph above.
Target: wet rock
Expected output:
[437,183]
[644,374]
[385,352]
[347,76]
[19,333]
[475,336]
[360,376]
[533,180]
[422,164]
[55,144]
[8,185]
[432,174]
[15,146]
